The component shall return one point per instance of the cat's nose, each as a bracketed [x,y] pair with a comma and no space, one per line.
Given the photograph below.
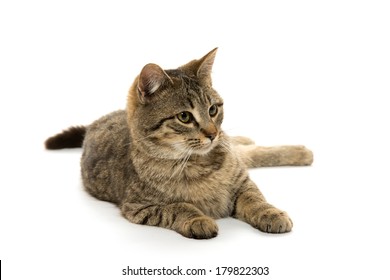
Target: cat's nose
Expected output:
[211,136]
[210,132]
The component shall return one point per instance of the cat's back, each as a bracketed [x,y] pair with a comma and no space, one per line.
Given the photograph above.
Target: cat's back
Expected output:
[105,164]
[107,130]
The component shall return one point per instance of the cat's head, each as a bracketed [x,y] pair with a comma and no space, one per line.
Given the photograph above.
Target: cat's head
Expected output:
[176,113]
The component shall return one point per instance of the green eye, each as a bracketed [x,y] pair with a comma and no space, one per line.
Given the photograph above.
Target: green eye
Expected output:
[184,117]
[213,110]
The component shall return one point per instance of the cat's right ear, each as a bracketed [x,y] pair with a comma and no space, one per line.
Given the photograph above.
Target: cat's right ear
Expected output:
[151,78]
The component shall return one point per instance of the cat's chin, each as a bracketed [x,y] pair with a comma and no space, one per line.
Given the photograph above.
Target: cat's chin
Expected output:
[204,150]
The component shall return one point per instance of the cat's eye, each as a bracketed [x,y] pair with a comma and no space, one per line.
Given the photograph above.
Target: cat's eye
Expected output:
[184,117]
[213,110]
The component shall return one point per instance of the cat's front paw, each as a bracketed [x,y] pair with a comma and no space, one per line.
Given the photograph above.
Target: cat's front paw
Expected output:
[274,221]
[200,228]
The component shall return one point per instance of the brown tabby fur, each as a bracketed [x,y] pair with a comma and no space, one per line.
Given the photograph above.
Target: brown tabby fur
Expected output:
[164,172]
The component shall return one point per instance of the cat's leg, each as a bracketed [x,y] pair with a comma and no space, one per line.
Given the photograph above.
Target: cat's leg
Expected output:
[256,156]
[251,207]
[184,218]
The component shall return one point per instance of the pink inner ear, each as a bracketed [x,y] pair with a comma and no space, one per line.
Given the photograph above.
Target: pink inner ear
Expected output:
[151,78]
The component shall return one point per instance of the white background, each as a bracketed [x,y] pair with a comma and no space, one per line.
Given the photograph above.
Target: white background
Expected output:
[290,72]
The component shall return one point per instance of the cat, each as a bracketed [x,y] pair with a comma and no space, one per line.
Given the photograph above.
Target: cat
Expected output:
[165,161]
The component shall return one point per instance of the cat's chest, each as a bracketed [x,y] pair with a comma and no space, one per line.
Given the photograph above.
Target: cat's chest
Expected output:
[211,197]
[212,191]
[206,182]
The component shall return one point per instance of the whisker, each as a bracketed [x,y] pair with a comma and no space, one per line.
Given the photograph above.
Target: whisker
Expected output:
[184,163]
[179,164]
[225,145]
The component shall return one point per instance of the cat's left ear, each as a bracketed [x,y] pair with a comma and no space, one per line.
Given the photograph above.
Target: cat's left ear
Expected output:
[206,65]
[202,68]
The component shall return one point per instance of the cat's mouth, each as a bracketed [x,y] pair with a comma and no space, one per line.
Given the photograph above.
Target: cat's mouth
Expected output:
[204,147]
[195,146]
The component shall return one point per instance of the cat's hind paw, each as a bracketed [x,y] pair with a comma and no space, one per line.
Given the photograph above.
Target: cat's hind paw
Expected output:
[299,155]
[241,140]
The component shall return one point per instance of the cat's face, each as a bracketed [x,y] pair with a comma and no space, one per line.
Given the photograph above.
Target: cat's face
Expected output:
[176,113]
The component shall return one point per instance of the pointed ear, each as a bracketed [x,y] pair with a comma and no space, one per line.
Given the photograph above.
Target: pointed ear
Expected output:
[201,68]
[206,65]
[151,78]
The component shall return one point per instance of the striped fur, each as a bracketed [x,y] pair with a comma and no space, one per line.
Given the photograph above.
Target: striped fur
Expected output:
[162,170]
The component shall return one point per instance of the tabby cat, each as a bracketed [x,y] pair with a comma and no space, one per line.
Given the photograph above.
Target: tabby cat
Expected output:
[165,161]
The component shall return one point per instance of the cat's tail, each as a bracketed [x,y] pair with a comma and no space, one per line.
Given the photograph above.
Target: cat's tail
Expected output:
[72,137]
